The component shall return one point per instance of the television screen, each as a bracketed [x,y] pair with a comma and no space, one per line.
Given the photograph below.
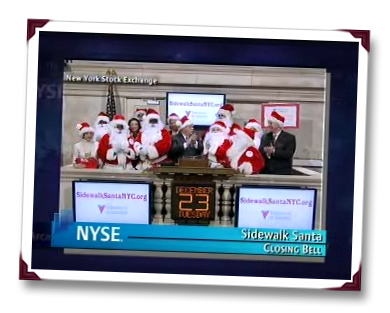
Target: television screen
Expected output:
[281,208]
[201,108]
[109,202]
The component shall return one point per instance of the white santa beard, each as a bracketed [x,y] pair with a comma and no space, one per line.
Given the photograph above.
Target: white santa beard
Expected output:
[216,138]
[100,131]
[118,139]
[228,121]
[151,135]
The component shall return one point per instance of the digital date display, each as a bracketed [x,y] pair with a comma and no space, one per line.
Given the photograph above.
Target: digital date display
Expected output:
[193,202]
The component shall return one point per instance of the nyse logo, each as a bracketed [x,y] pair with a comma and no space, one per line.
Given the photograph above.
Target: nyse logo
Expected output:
[98,233]
[265,214]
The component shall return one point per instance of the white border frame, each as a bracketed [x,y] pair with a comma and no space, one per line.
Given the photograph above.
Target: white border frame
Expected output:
[359,163]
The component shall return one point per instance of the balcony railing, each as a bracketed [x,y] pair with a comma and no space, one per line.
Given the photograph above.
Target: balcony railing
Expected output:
[224,197]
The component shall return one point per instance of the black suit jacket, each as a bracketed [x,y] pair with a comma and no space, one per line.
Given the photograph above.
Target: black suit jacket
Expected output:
[280,162]
[178,150]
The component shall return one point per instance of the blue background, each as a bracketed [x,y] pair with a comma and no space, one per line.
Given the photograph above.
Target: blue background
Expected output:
[338,58]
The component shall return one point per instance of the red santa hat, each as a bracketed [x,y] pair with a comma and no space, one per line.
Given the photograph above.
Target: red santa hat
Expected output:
[253,124]
[84,128]
[227,109]
[119,120]
[151,113]
[221,125]
[102,117]
[246,135]
[235,127]
[173,116]
[276,118]
[249,132]
[183,122]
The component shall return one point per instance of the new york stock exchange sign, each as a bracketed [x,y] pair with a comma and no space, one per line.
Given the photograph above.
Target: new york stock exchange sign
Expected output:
[110,79]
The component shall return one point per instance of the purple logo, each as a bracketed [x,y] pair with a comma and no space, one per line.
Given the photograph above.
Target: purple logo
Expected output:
[101,208]
[188,113]
[265,214]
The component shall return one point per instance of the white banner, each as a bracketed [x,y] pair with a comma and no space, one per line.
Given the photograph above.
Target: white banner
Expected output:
[290,112]
[201,109]
[276,208]
[111,202]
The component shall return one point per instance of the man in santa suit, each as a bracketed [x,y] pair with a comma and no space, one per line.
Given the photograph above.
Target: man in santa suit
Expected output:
[225,114]
[255,126]
[241,153]
[217,135]
[85,151]
[114,148]
[153,142]
[101,126]
[172,123]
[139,114]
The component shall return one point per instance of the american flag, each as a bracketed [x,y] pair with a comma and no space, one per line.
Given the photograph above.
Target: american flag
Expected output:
[110,106]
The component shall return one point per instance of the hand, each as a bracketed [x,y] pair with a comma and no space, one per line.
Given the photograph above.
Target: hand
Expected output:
[268,149]
[194,137]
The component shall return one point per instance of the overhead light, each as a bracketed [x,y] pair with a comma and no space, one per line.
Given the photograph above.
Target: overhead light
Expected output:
[152,102]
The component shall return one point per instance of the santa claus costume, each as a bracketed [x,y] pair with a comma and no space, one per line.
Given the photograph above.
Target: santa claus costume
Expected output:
[241,153]
[139,114]
[217,135]
[101,126]
[225,114]
[256,127]
[114,148]
[154,141]
[85,151]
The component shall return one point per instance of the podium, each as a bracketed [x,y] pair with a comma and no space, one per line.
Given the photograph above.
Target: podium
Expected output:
[194,194]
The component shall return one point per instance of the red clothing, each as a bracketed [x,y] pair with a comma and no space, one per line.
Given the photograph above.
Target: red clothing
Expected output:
[249,162]
[221,153]
[89,162]
[154,150]
[109,156]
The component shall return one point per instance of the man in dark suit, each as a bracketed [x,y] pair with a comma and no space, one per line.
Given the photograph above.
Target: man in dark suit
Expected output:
[278,147]
[186,142]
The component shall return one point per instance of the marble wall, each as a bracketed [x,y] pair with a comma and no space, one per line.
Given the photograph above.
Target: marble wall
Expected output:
[245,87]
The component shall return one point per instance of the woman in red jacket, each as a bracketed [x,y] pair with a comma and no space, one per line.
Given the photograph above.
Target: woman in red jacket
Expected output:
[134,130]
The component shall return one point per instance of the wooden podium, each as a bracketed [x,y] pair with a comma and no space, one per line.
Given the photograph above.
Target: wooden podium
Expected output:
[193,189]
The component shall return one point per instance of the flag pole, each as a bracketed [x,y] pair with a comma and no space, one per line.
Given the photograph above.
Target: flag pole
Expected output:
[110,105]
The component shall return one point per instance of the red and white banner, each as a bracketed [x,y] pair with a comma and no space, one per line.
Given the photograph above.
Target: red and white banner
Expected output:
[290,112]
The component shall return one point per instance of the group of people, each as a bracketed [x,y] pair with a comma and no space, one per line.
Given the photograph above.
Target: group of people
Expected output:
[143,142]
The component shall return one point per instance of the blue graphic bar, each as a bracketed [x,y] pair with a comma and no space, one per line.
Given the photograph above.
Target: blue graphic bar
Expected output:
[200,239]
